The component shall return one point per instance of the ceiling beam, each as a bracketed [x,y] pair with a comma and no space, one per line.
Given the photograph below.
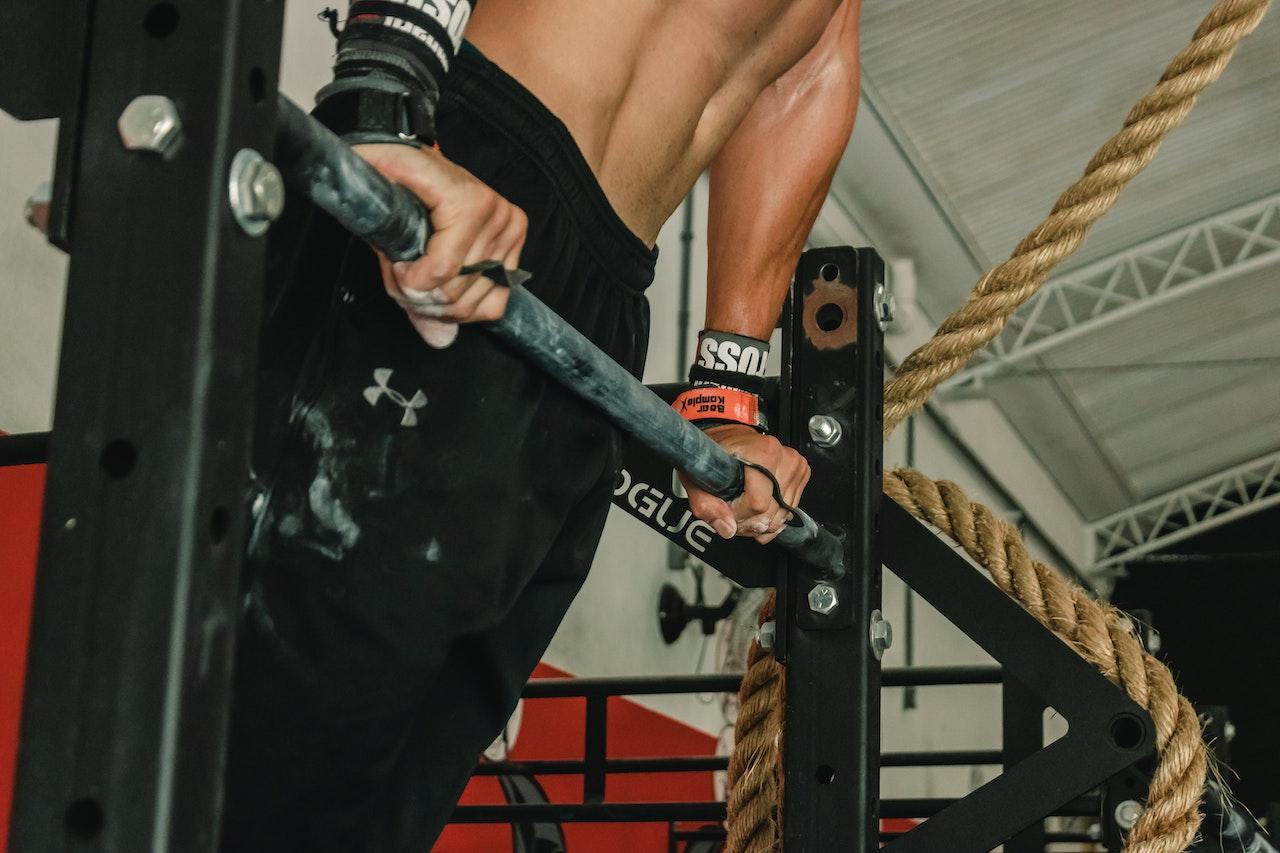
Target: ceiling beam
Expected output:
[1186,511]
[1168,267]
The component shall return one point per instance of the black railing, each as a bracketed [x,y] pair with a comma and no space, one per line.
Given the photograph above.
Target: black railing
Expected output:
[596,766]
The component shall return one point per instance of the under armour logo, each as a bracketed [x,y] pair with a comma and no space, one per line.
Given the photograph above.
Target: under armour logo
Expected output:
[374,393]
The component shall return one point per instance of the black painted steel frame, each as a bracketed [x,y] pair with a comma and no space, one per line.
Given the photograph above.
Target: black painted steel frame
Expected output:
[133,627]
[832,366]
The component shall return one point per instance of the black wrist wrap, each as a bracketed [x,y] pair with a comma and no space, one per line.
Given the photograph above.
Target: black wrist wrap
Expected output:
[730,361]
[734,361]
[392,59]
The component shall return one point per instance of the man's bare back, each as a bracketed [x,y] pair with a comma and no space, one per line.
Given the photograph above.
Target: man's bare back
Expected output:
[650,89]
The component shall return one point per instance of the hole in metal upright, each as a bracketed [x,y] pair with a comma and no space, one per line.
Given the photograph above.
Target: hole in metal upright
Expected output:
[161,20]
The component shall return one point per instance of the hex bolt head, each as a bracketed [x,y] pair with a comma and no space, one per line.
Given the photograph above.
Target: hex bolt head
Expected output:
[823,599]
[256,192]
[825,430]
[767,634]
[886,306]
[151,123]
[881,634]
[1127,813]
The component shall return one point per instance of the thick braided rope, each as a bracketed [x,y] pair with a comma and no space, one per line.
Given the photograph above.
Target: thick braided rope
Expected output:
[1007,286]
[755,779]
[1094,629]
[1098,632]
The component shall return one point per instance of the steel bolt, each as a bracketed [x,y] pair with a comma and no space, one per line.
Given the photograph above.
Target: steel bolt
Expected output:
[823,598]
[881,634]
[886,306]
[767,634]
[825,430]
[256,191]
[1127,813]
[151,123]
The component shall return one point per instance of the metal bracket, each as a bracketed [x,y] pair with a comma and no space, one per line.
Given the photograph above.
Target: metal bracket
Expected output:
[1108,731]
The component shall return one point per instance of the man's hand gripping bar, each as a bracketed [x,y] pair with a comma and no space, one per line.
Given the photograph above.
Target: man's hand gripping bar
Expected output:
[317,163]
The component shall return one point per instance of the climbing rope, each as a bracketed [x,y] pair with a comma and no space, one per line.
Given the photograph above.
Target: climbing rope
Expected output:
[1007,286]
[1095,629]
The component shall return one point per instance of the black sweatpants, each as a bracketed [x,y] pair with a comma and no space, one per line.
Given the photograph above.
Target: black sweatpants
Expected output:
[424,518]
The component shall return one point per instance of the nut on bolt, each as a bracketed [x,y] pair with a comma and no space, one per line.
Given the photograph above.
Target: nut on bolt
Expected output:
[1127,813]
[767,635]
[881,634]
[886,306]
[256,192]
[151,123]
[823,599]
[825,430]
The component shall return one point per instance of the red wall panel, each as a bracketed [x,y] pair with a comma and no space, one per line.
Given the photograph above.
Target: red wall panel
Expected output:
[21,495]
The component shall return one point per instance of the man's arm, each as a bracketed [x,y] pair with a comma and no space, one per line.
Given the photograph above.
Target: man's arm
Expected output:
[767,186]
[770,179]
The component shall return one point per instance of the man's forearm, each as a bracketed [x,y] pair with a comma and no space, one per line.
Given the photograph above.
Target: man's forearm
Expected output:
[768,183]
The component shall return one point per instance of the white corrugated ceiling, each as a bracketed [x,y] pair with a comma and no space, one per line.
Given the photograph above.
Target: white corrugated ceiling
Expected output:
[998,106]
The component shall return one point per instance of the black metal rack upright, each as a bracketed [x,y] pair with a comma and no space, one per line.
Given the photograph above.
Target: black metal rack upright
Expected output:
[130,657]
[831,409]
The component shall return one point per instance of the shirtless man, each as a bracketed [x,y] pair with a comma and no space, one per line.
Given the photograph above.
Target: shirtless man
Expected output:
[425,516]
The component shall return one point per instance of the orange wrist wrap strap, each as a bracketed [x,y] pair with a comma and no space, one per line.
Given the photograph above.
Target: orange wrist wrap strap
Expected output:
[717,403]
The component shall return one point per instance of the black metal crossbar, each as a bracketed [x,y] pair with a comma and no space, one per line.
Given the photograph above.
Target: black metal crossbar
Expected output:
[916,676]
[704,763]
[30,448]
[709,811]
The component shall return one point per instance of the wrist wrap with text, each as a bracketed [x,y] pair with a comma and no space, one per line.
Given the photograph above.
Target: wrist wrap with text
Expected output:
[392,59]
[728,379]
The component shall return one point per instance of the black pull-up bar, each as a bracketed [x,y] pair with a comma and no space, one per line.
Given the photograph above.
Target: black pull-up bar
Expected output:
[319,164]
